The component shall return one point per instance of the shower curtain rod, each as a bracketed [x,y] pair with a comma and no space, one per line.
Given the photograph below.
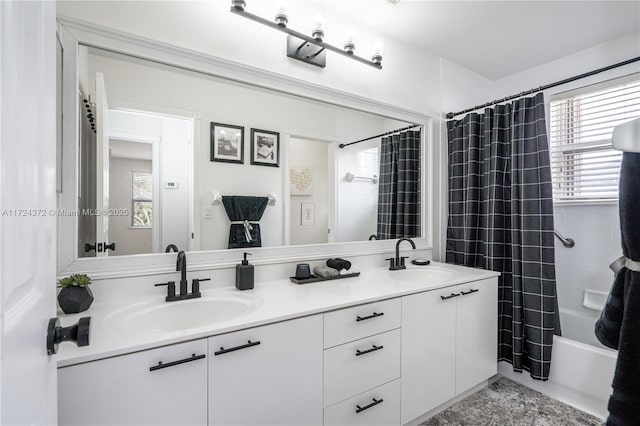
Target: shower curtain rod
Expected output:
[548,86]
[342,145]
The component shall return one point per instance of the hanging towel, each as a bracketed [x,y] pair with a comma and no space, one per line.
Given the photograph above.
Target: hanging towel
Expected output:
[619,323]
[244,214]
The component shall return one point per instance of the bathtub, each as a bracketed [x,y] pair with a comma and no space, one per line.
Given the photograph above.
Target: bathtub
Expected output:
[581,373]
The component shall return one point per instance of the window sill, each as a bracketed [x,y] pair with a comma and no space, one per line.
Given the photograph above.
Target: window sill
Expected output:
[569,203]
[141,227]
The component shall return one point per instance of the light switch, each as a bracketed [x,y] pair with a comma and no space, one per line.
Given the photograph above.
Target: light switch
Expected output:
[207,212]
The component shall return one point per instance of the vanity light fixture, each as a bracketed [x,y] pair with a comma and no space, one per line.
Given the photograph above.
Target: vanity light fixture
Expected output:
[310,49]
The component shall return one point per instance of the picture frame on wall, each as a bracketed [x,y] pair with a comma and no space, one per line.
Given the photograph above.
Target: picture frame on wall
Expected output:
[227,143]
[265,148]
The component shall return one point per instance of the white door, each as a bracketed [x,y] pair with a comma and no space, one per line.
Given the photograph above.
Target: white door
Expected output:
[27,211]
[102,166]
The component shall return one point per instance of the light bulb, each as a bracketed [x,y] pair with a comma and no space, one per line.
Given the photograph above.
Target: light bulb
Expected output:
[281,13]
[318,32]
[238,4]
[349,43]
[376,58]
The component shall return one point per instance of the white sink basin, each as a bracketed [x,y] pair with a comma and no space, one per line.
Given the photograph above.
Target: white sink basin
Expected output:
[162,317]
[423,274]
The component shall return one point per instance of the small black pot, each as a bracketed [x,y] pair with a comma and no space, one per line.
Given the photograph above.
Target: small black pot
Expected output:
[75,299]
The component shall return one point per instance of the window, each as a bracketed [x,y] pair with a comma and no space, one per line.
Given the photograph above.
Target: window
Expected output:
[368,162]
[141,200]
[584,165]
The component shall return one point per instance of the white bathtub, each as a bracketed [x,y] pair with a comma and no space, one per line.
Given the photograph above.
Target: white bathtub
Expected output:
[581,374]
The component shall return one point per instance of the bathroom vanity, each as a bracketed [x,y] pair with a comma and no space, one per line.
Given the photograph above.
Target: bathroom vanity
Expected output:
[382,348]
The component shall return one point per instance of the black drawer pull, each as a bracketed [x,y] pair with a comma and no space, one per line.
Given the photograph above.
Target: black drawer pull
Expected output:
[473,290]
[161,365]
[374,315]
[223,351]
[450,297]
[366,407]
[373,349]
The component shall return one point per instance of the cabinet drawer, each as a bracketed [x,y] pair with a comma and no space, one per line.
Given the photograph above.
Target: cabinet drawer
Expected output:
[358,366]
[379,406]
[136,389]
[355,323]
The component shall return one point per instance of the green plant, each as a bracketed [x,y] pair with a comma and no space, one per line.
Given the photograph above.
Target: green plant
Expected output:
[75,280]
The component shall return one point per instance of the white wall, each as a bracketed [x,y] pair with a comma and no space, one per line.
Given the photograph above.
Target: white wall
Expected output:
[128,240]
[174,141]
[314,155]
[358,200]
[596,232]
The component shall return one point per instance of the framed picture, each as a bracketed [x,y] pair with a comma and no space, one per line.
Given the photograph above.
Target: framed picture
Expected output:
[300,180]
[307,214]
[265,148]
[227,143]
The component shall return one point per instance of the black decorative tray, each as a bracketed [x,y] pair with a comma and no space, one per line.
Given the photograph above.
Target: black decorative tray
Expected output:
[315,278]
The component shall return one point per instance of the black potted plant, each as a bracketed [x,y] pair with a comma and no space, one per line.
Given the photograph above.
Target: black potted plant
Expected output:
[75,296]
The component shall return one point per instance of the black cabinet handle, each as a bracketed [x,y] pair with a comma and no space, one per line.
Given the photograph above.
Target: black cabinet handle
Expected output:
[161,365]
[450,297]
[366,407]
[473,290]
[249,344]
[373,349]
[374,315]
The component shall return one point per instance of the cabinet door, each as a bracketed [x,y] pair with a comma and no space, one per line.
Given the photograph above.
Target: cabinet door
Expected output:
[269,375]
[476,333]
[136,390]
[428,351]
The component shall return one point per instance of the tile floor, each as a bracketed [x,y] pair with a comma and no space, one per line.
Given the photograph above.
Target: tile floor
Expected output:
[506,403]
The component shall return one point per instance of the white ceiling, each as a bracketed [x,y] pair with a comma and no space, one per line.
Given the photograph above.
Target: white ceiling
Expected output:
[496,38]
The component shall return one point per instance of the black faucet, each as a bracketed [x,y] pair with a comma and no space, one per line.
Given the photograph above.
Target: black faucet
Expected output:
[181,265]
[398,262]
[170,248]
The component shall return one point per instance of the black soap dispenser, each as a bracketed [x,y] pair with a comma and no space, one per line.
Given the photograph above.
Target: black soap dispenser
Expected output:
[244,274]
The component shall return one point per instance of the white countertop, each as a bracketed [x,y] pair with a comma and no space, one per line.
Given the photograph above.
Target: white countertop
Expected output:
[278,300]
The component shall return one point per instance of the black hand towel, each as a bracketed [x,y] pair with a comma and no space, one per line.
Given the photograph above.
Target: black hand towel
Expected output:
[619,325]
[240,209]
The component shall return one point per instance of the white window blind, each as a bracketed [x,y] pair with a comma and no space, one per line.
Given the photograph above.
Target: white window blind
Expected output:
[584,165]
[141,199]
[369,162]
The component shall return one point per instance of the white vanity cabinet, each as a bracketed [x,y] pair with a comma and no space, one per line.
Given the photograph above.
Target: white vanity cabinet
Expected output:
[449,344]
[268,375]
[164,386]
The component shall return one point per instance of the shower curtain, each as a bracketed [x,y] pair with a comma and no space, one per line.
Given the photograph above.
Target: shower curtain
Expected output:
[399,187]
[501,219]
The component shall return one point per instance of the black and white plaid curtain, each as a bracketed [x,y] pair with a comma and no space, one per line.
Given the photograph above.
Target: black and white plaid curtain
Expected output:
[399,187]
[501,219]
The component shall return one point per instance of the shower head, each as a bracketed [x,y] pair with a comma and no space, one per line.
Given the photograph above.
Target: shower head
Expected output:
[626,136]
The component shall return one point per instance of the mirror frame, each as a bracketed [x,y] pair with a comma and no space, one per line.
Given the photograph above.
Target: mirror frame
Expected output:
[74,33]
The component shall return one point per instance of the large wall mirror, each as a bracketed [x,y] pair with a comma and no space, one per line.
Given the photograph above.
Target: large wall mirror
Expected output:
[171,158]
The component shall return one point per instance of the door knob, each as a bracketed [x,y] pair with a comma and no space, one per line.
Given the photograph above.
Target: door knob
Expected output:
[56,334]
